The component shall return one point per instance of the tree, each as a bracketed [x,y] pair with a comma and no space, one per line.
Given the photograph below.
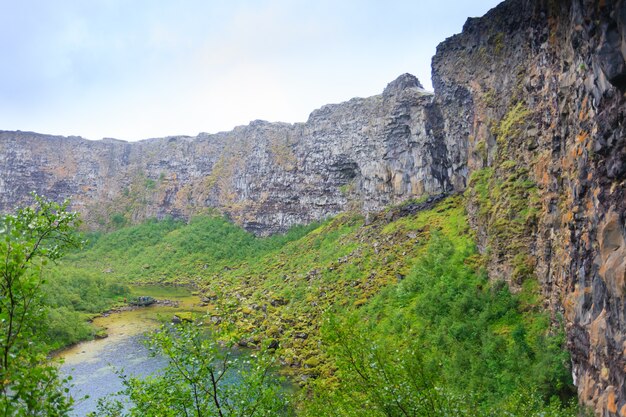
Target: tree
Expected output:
[29,384]
[378,377]
[201,379]
[386,377]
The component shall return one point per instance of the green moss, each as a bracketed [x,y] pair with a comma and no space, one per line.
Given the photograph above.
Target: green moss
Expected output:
[347,189]
[481,150]
[150,184]
[479,190]
[418,277]
[498,43]
[490,98]
[508,165]
[282,153]
[511,124]
[506,198]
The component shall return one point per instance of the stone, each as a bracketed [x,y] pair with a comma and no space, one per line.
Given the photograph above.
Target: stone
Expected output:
[565,66]
[366,153]
[182,317]
[559,65]
[277,302]
[611,57]
[143,301]
[402,83]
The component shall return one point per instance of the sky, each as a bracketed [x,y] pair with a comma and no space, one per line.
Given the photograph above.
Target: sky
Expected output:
[136,69]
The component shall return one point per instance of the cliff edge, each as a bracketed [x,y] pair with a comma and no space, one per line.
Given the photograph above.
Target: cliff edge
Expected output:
[533,93]
[363,154]
[527,119]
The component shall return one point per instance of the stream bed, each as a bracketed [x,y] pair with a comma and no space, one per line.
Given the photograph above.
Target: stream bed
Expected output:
[94,365]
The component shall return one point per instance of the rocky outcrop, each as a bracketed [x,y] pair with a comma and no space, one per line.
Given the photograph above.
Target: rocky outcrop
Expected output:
[527,118]
[363,154]
[540,89]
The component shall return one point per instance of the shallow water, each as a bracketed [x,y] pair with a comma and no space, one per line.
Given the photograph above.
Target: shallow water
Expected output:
[93,364]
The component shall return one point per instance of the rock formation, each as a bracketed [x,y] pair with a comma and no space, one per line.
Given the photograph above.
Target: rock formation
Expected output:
[365,153]
[527,119]
[534,92]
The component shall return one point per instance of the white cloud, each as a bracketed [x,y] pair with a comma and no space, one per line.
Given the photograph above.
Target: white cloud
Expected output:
[160,67]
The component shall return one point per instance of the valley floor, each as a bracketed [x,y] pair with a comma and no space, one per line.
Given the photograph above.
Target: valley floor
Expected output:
[375,316]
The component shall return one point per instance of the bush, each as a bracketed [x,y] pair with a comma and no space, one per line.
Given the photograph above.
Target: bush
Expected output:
[202,379]
[446,341]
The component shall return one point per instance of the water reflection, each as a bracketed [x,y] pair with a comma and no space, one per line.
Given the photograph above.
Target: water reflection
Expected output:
[93,365]
[97,375]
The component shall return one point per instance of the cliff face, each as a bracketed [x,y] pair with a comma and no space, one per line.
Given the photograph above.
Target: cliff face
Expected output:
[527,118]
[365,154]
[541,86]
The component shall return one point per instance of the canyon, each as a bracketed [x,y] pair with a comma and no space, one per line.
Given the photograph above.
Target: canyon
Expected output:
[527,120]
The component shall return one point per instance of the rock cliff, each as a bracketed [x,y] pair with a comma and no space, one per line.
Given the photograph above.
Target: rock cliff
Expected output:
[527,119]
[540,89]
[365,153]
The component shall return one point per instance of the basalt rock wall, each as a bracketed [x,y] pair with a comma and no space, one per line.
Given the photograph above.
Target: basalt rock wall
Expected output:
[363,154]
[534,93]
[527,119]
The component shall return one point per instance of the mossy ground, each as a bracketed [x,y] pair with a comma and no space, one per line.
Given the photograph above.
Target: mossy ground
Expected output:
[417,274]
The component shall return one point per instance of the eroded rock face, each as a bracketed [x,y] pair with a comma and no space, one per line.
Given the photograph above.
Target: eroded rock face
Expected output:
[364,154]
[541,86]
[527,118]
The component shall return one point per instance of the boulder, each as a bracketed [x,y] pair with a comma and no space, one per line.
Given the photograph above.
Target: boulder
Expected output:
[143,301]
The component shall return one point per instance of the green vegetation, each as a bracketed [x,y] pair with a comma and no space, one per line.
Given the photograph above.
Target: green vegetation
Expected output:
[73,296]
[30,386]
[173,252]
[445,341]
[511,124]
[396,314]
[202,379]
[498,43]
[96,279]
[283,295]
[506,199]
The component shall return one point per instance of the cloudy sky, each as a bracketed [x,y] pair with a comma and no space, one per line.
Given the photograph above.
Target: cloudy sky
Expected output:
[134,69]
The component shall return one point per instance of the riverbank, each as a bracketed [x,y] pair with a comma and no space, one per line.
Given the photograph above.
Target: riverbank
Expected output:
[131,320]
[94,365]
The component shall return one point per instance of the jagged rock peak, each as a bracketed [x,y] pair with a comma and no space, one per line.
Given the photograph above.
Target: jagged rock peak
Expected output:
[402,83]
[362,154]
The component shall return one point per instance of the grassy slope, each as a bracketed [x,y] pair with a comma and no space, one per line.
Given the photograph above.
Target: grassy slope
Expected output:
[96,278]
[418,275]
[340,265]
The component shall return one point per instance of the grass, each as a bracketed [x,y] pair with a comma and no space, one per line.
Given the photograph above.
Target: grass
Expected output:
[418,277]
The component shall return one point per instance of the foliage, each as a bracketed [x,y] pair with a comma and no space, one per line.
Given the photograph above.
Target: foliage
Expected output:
[96,279]
[343,263]
[407,293]
[29,239]
[72,296]
[201,379]
[445,341]
[171,251]
[377,379]
[65,326]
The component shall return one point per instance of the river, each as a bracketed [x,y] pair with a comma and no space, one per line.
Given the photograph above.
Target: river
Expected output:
[93,365]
